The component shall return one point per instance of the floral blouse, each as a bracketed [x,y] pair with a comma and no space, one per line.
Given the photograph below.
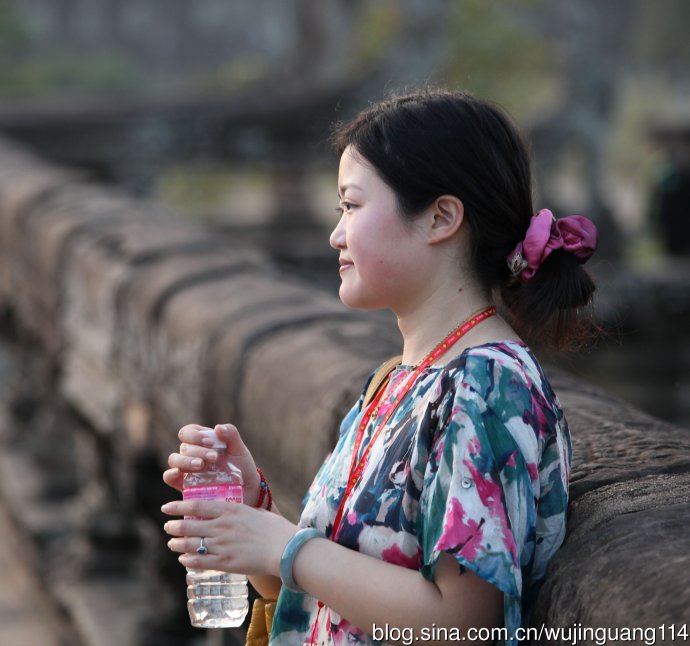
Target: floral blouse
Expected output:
[474,462]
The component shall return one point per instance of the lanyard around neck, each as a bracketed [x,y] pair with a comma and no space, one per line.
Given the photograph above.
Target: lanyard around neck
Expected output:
[357,467]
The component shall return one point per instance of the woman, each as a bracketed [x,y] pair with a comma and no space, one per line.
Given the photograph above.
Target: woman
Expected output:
[437,512]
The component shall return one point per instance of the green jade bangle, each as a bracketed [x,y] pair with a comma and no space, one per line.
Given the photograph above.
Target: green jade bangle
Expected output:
[287,560]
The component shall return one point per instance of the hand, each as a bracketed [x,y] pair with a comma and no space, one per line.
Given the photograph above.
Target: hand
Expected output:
[238,538]
[195,455]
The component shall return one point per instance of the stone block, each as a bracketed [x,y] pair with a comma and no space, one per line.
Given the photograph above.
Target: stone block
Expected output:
[99,268]
[294,391]
[142,301]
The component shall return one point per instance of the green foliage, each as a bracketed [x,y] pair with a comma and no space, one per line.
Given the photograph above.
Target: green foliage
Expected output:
[23,74]
[68,73]
[232,75]
[498,56]
[216,192]
[660,36]
[195,186]
[13,33]
[378,24]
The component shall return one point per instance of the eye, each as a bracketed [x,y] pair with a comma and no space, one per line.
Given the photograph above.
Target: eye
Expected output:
[345,206]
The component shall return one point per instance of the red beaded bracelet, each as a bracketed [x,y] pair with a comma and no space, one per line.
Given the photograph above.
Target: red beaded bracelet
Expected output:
[264,491]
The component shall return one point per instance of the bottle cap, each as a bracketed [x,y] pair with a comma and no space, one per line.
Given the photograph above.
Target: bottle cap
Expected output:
[218,444]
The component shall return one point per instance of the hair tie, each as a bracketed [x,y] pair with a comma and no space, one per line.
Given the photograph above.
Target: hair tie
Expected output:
[575,234]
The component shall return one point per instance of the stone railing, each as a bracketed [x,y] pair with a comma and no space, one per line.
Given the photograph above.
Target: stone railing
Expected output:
[144,323]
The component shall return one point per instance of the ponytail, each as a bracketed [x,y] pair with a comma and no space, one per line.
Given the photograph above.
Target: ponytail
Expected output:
[554,307]
[548,286]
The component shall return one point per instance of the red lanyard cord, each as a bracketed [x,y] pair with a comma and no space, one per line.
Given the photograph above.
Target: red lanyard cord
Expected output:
[357,467]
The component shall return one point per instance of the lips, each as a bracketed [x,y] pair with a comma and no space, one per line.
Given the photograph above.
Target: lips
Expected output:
[344,264]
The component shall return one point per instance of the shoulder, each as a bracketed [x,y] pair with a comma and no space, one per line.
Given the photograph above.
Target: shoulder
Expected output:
[504,407]
[502,370]
[501,387]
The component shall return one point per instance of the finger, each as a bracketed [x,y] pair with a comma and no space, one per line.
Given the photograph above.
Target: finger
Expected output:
[229,434]
[196,451]
[191,434]
[184,463]
[173,478]
[188,545]
[206,509]
[194,461]
[207,561]
[188,527]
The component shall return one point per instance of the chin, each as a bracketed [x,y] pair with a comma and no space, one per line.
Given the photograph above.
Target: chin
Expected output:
[361,301]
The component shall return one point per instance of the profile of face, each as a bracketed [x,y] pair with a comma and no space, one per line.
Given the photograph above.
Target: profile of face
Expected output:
[381,254]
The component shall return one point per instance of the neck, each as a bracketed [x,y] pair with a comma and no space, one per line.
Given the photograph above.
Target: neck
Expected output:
[428,323]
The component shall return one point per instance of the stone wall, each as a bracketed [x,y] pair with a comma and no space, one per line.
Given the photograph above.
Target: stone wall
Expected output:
[148,323]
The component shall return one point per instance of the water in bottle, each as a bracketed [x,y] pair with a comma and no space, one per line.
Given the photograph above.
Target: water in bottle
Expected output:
[215,599]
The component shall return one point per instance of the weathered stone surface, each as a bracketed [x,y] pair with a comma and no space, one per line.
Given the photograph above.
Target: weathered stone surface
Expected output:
[630,570]
[599,506]
[20,189]
[101,266]
[28,617]
[626,557]
[297,387]
[266,310]
[154,324]
[24,178]
[614,442]
[142,301]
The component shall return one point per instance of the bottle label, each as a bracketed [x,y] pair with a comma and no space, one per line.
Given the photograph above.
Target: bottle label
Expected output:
[226,492]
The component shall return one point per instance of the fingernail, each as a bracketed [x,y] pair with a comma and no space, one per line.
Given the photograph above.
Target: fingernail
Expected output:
[197,462]
[165,507]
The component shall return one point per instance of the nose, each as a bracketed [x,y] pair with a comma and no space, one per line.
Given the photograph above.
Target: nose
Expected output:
[337,238]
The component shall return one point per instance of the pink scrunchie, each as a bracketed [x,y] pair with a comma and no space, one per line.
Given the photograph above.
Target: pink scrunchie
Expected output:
[575,234]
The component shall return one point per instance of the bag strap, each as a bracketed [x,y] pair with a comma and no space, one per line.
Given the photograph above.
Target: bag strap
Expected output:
[379,377]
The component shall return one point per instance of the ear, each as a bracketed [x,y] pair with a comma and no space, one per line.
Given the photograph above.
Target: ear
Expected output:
[447,215]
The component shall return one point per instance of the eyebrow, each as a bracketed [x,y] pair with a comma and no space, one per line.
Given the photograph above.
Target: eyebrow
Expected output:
[344,187]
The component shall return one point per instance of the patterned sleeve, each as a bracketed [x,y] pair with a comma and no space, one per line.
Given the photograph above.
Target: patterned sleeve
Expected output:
[482,479]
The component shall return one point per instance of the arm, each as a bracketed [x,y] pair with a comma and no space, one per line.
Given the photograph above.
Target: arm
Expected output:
[363,589]
[267,585]
[395,595]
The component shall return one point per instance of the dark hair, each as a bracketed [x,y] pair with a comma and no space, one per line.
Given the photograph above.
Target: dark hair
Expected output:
[440,142]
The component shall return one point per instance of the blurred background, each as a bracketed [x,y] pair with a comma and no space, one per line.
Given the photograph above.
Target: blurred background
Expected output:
[219,110]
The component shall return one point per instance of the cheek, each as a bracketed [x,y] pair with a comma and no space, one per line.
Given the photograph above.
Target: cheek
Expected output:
[384,253]
[368,252]
[371,245]
[381,262]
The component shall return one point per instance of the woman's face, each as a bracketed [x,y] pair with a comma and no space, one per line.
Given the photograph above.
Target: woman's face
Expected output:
[381,255]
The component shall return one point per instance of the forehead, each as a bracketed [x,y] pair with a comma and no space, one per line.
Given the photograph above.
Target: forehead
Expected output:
[356,173]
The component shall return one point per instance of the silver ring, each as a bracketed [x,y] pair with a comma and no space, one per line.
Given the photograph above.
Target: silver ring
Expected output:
[202,549]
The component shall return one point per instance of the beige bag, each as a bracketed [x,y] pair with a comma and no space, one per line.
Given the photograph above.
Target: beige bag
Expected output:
[379,377]
[260,624]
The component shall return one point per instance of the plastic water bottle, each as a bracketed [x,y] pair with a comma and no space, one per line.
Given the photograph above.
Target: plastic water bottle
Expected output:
[215,599]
